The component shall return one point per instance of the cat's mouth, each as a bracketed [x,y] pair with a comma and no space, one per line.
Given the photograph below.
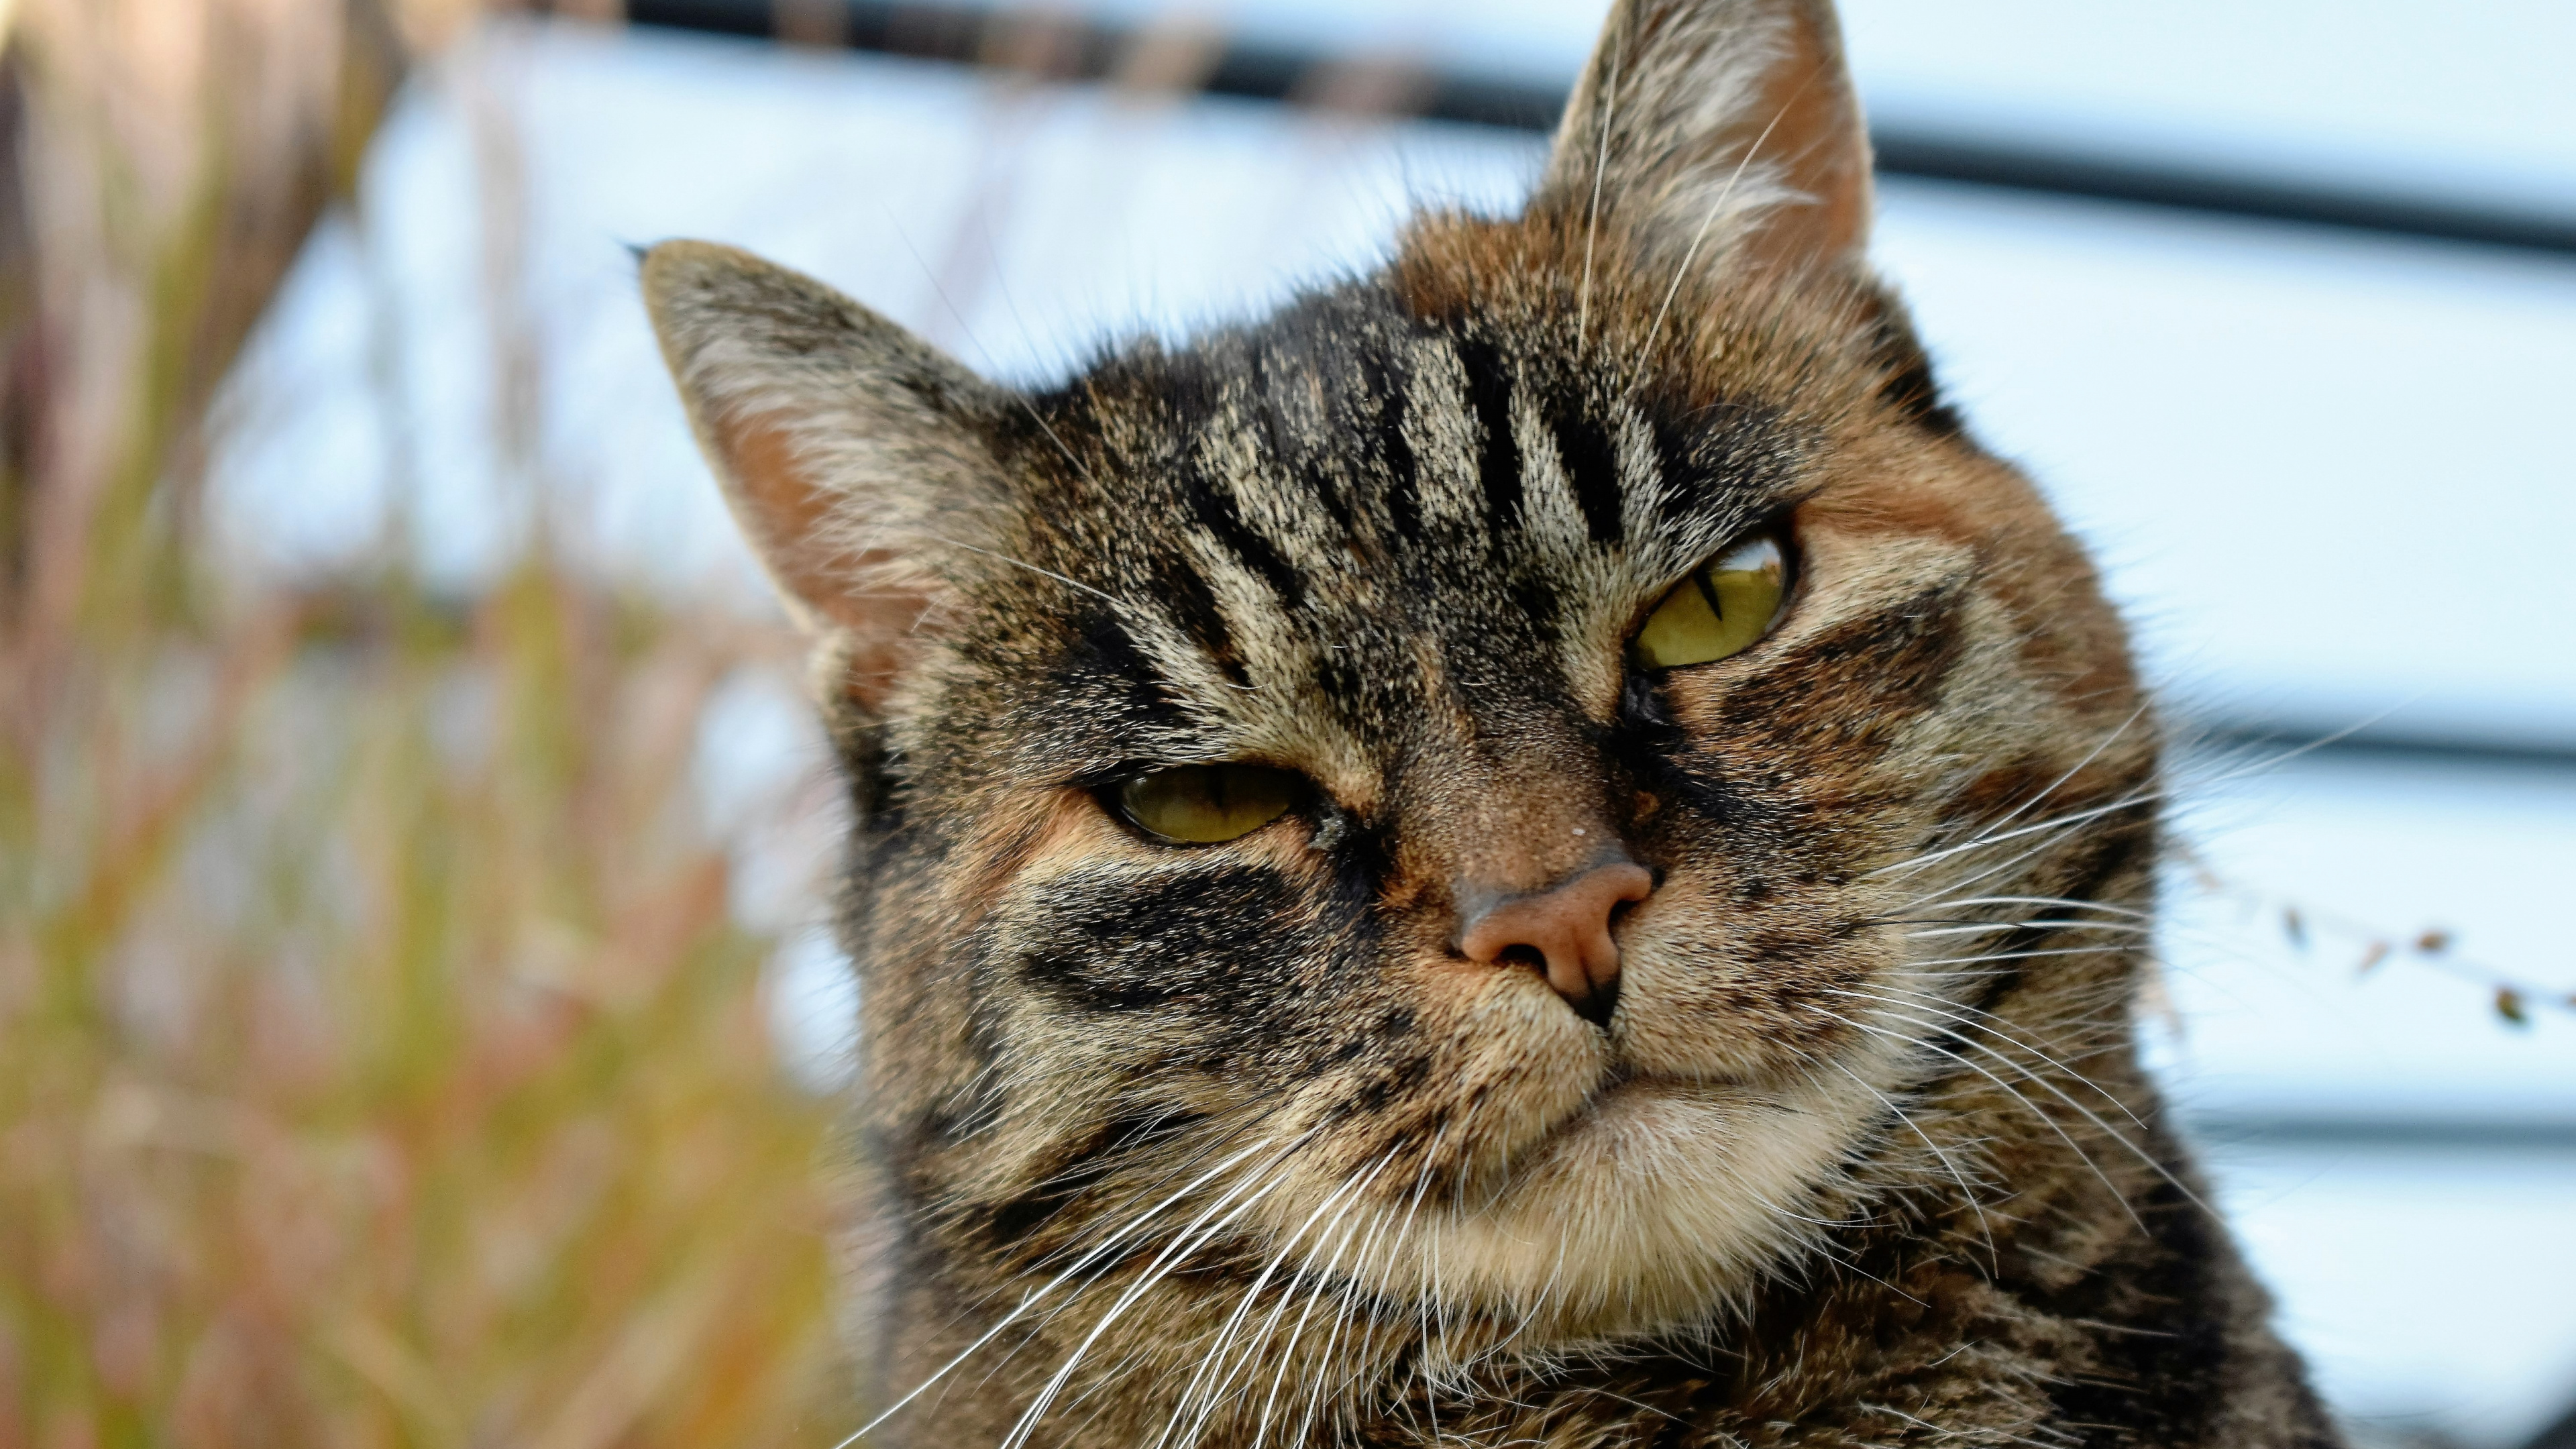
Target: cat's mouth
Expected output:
[1625,1082]
[1632,1122]
[1626,1092]
[1655,1197]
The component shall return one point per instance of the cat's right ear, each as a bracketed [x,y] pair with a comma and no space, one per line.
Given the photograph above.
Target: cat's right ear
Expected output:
[1724,134]
[854,455]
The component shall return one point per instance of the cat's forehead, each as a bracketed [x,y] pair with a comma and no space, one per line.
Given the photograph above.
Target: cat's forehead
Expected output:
[1348,446]
[1357,521]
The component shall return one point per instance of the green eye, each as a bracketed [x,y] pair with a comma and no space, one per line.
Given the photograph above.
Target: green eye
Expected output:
[1205,804]
[1719,610]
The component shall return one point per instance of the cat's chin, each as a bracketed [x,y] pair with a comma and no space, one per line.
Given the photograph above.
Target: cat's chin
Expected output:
[1651,1209]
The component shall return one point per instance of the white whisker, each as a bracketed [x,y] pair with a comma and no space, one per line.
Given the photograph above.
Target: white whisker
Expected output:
[1189,1240]
[1616,51]
[2008,1090]
[1034,1297]
[1715,210]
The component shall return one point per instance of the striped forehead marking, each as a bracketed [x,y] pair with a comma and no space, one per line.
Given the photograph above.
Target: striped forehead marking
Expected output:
[1409,430]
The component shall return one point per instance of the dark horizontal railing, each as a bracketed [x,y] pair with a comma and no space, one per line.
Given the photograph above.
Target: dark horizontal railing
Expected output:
[1065,49]
[2099,178]
[2394,1132]
[2218,732]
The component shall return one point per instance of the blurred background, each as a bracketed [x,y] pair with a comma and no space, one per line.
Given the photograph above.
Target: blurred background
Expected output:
[415,1021]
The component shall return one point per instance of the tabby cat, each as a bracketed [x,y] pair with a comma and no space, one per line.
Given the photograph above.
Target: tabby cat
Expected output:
[1538,849]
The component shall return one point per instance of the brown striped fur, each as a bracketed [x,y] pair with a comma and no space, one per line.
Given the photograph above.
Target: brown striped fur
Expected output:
[1229,1145]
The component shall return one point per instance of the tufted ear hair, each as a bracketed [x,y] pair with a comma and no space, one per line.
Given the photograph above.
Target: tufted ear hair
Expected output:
[855,456]
[1721,134]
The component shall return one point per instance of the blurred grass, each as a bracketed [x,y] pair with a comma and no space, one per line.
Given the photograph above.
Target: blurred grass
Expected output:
[380,1060]
[379,1063]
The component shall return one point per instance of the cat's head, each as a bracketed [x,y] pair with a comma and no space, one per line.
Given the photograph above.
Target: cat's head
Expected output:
[1474,792]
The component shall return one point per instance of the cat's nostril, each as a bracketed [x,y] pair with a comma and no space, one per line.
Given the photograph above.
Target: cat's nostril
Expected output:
[1565,931]
[1597,1006]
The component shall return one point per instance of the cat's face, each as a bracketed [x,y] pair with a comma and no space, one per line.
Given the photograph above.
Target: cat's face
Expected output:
[1304,842]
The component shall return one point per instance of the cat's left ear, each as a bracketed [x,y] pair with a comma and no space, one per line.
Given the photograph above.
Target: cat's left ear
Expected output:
[1724,132]
[856,457]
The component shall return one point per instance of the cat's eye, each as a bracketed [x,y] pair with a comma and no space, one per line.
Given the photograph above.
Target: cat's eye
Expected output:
[1208,804]
[1721,609]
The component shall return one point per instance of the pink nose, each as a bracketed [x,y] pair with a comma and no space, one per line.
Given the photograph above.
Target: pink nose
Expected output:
[1566,926]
